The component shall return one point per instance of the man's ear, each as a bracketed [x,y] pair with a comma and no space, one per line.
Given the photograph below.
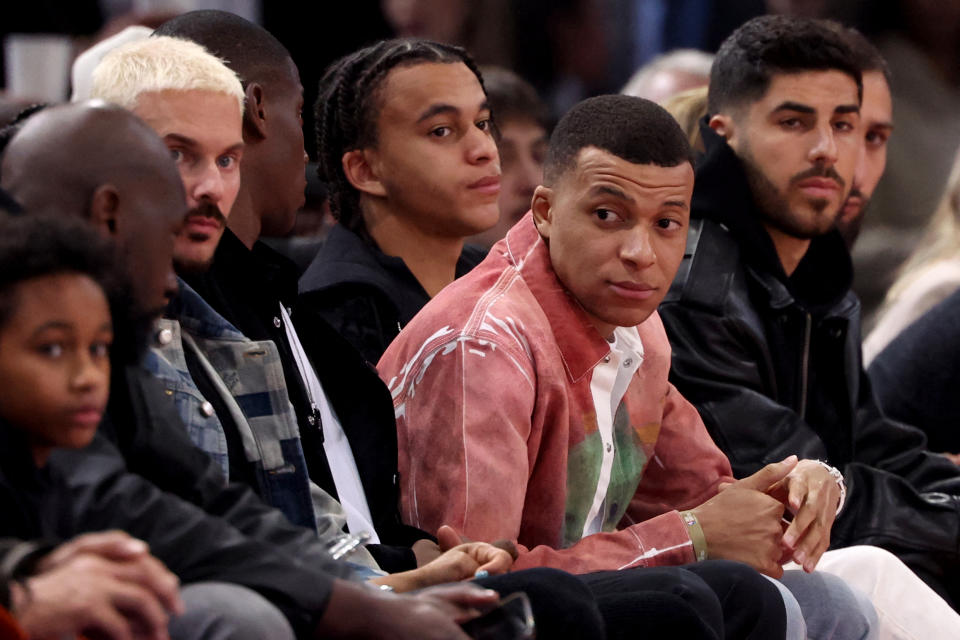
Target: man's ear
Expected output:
[105,209]
[722,125]
[254,115]
[359,167]
[541,207]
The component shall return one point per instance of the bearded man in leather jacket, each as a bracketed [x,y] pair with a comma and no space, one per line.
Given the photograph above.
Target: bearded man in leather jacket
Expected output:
[764,327]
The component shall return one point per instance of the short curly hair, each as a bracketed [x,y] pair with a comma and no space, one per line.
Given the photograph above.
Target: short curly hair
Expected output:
[634,129]
[34,246]
[774,44]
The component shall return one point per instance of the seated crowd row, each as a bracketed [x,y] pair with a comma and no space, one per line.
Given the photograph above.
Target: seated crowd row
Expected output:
[643,409]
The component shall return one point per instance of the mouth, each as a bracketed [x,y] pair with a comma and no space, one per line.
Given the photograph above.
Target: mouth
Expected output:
[819,187]
[852,207]
[200,228]
[489,185]
[633,290]
[87,417]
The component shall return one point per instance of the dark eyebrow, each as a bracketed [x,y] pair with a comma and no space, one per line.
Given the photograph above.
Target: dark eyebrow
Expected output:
[442,107]
[682,204]
[794,106]
[53,324]
[438,109]
[610,191]
[847,108]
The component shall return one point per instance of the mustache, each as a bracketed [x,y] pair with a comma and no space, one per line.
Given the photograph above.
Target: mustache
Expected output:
[819,172]
[206,210]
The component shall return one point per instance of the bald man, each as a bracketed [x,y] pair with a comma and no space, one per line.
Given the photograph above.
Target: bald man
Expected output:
[129,188]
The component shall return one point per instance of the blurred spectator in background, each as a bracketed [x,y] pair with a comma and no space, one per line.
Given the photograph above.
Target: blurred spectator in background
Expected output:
[522,123]
[688,108]
[482,27]
[669,74]
[921,41]
[931,274]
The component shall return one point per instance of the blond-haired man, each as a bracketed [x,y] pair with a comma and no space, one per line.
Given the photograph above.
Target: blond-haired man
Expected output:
[195,104]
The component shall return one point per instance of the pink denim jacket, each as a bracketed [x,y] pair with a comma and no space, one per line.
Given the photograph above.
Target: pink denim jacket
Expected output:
[498,428]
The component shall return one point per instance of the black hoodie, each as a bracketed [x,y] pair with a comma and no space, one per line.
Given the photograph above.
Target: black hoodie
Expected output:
[366,295]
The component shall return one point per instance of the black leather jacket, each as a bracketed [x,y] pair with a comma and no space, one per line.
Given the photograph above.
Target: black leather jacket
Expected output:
[165,491]
[773,365]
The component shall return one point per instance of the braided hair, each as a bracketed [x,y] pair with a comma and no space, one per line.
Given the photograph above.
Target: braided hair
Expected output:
[348,107]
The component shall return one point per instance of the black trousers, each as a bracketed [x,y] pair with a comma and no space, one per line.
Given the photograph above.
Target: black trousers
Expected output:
[712,600]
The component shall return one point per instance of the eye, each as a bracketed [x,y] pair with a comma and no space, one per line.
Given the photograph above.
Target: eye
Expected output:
[876,138]
[226,162]
[843,126]
[441,132]
[791,123]
[607,216]
[176,154]
[485,125]
[51,349]
[100,349]
[668,224]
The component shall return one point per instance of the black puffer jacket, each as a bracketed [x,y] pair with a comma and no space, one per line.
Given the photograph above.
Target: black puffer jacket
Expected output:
[773,365]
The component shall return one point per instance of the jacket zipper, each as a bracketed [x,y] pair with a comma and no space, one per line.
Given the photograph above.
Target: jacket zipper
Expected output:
[805,364]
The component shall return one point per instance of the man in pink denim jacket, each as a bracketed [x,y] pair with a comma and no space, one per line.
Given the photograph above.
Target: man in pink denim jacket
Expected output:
[531,395]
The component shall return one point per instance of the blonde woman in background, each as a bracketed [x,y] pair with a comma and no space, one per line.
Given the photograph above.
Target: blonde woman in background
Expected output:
[930,275]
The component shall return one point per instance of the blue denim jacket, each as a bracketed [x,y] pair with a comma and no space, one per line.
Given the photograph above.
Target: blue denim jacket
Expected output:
[250,376]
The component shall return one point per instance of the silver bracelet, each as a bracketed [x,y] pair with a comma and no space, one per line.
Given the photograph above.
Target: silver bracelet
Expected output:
[838,478]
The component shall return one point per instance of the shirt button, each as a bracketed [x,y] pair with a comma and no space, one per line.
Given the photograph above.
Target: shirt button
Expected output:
[164,337]
[276,322]
[627,363]
[606,358]
[609,447]
[206,409]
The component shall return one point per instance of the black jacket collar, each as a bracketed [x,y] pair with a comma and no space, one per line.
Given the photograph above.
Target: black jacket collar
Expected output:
[346,258]
[722,194]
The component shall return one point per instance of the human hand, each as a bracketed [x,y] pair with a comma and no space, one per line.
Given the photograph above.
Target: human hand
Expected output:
[448,538]
[426,551]
[462,562]
[742,522]
[431,614]
[812,495]
[112,545]
[89,594]
[953,457]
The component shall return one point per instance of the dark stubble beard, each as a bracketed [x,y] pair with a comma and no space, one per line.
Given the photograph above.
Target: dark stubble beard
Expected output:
[774,207]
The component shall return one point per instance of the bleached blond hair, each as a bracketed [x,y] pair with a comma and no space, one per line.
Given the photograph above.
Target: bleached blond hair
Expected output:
[161,63]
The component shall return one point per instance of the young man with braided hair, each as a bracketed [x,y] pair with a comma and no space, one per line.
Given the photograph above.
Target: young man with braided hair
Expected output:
[404,209]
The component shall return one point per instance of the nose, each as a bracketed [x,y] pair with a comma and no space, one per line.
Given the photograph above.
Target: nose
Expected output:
[859,173]
[637,249]
[481,147]
[206,184]
[90,373]
[824,148]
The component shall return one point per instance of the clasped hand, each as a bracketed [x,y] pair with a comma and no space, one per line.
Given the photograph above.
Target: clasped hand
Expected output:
[744,521]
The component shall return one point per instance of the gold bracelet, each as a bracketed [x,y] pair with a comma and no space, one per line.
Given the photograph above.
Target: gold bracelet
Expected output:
[695,531]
